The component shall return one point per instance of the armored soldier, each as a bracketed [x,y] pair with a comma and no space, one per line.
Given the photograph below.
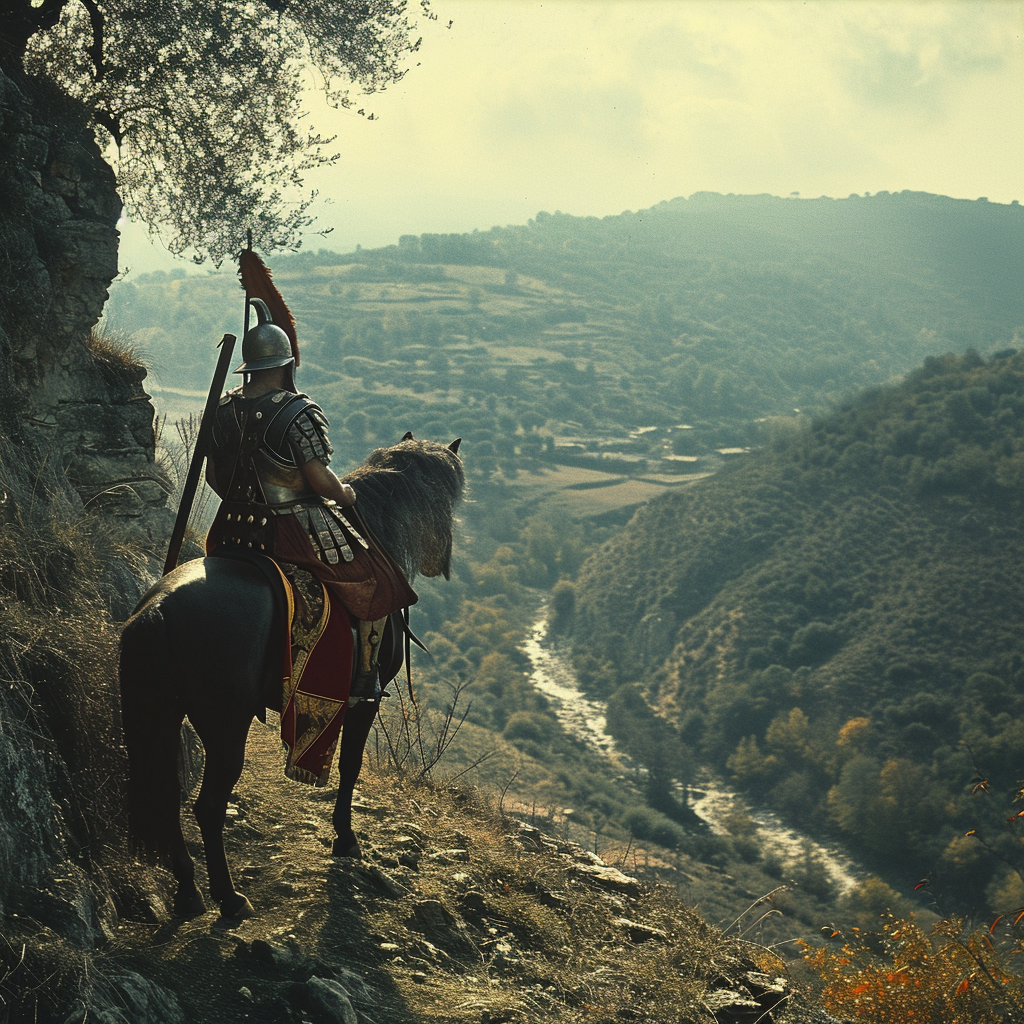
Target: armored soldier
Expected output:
[269,461]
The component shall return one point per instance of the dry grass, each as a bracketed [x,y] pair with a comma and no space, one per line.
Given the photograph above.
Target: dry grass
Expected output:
[175,445]
[119,359]
[551,944]
[596,500]
[559,478]
[62,803]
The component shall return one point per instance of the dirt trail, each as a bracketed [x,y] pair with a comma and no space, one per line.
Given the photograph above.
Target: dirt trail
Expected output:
[455,914]
[313,912]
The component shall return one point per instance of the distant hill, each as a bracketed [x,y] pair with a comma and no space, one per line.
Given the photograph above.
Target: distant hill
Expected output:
[838,622]
[559,339]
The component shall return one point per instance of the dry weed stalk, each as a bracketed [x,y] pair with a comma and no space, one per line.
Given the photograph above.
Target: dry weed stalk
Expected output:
[416,738]
[173,457]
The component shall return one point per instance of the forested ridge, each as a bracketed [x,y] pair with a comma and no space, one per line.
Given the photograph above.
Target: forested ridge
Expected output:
[836,624]
[712,311]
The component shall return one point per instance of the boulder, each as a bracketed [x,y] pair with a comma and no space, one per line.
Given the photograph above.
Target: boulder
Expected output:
[433,920]
[328,999]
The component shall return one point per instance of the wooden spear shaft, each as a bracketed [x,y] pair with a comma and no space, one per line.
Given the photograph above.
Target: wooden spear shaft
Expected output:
[188,494]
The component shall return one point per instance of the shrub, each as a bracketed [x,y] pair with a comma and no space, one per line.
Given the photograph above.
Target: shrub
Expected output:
[954,976]
[531,726]
[649,824]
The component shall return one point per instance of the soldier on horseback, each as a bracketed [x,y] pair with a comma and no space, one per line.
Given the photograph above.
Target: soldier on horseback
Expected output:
[269,461]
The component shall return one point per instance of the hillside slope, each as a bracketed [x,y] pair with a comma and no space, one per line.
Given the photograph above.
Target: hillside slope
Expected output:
[456,914]
[837,622]
[564,336]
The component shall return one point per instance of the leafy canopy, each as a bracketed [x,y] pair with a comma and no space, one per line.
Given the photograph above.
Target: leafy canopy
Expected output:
[204,100]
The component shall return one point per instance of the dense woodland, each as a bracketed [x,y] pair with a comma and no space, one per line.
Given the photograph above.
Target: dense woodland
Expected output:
[836,623]
[808,619]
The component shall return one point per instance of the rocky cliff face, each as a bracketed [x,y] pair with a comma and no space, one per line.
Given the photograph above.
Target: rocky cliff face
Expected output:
[76,449]
[63,397]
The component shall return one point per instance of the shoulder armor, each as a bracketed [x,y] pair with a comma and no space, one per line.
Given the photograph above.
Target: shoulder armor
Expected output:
[296,421]
[226,428]
[307,435]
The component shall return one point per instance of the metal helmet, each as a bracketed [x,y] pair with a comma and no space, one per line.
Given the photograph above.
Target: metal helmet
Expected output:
[265,345]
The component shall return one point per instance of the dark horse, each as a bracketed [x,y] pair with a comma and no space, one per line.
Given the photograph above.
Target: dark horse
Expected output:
[201,643]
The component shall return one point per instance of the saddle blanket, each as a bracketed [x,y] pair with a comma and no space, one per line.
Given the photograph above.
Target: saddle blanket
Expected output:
[317,674]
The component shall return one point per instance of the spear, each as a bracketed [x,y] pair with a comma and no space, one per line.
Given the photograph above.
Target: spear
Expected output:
[188,493]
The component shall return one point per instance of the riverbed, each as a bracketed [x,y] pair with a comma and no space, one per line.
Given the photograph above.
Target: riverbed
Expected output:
[552,674]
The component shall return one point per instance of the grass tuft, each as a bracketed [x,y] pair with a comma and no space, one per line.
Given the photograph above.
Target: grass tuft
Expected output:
[62,850]
[119,360]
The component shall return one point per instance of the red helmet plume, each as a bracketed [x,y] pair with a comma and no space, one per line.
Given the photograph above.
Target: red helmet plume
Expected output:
[258,285]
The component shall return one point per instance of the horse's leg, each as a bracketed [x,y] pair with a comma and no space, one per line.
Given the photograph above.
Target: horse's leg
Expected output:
[188,901]
[358,720]
[164,795]
[224,760]
[152,731]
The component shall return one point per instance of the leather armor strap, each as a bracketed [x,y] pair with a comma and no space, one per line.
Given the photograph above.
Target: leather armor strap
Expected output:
[263,426]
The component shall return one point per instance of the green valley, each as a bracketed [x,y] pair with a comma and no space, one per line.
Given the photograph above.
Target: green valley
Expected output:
[808,608]
[836,623]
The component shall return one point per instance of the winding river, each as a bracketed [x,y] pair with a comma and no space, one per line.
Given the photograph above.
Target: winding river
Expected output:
[552,674]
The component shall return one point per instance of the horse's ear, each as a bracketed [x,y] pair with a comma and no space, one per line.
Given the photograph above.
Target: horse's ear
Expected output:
[454,446]
[407,436]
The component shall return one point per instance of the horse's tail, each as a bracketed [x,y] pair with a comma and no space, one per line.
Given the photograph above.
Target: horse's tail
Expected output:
[151,718]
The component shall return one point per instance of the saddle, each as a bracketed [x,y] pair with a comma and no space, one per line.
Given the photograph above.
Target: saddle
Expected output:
[323,650]
[391,649]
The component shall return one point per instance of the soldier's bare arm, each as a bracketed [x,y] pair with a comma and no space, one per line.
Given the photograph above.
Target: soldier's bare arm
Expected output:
[324,481]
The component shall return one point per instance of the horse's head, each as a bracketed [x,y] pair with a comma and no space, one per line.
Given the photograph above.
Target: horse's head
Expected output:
[408,494]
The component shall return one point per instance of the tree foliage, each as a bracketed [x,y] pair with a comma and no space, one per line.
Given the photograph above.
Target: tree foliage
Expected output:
[204,100]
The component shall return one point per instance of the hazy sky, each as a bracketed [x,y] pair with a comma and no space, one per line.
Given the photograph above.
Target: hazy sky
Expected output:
[593,107]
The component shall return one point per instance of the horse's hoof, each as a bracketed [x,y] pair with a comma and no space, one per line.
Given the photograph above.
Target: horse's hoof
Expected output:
[236,908]
[189,904]
[348,847]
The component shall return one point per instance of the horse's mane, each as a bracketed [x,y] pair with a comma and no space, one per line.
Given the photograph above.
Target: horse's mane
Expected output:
[408,494]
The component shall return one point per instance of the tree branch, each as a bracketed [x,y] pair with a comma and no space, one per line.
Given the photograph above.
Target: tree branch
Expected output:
[112,123]
[95,51]
[19,22]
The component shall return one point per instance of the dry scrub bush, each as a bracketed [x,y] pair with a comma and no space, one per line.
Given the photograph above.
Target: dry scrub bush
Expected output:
[409,737]
[956,976]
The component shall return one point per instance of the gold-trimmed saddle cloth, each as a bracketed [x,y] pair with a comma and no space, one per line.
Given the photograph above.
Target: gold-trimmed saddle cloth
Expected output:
[316,676]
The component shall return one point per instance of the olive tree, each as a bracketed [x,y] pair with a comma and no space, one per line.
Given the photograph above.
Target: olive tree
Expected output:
[203,99]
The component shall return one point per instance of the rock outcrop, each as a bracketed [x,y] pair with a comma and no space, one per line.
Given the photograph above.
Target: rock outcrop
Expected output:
[64,397]
[77,468]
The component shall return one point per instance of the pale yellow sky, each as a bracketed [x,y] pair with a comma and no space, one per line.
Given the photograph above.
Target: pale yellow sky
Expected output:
[593,107]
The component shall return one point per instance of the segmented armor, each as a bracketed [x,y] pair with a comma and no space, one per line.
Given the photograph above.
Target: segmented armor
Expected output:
[259,446]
